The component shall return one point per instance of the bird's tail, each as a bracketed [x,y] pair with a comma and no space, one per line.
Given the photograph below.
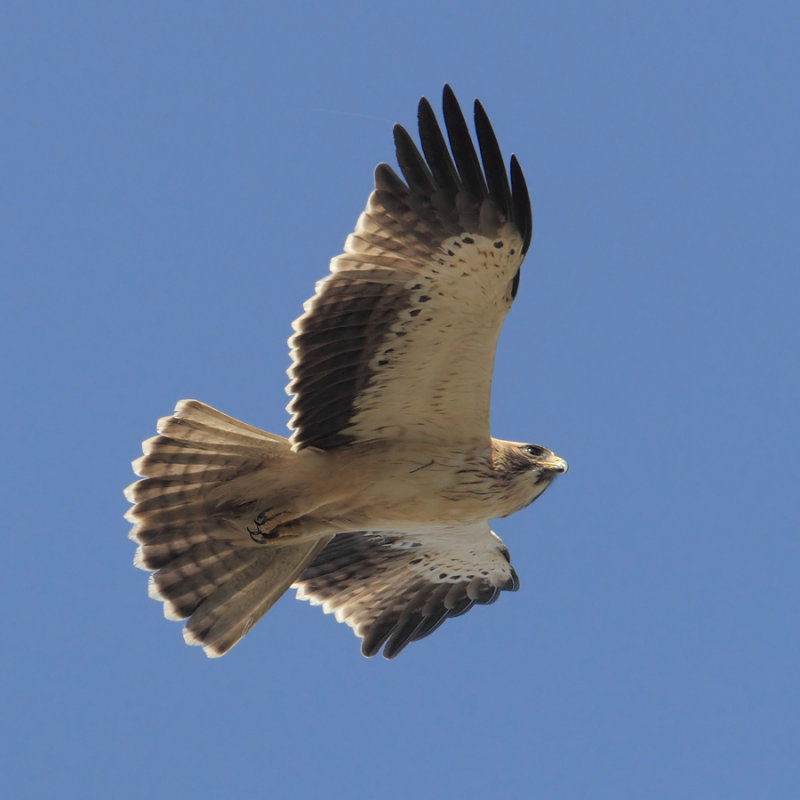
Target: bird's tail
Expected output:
[188,525]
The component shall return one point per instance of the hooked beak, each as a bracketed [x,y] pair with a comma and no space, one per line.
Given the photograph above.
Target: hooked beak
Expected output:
[554,463]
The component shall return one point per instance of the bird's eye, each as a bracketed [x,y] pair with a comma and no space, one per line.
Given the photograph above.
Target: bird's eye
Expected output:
[534,450]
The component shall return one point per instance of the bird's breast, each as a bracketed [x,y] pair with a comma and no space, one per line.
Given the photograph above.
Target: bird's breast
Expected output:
[403,485]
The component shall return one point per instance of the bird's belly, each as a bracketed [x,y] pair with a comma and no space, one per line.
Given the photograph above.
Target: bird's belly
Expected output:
[401,493]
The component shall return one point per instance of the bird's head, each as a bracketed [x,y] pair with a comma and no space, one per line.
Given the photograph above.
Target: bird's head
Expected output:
[526,470]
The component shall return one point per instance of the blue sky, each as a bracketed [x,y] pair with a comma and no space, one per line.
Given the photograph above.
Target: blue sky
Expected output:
[175,178]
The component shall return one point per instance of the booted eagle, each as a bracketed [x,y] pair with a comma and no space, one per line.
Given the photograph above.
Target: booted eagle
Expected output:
[377,507]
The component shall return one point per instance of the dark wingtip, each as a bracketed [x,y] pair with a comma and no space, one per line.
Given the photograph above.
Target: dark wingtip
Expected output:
[463,149]
[376,637]
[437,168]
[412,165]
[424,108]
[522,203]
[403,634]
[493,164]
[435,149]
[512,199]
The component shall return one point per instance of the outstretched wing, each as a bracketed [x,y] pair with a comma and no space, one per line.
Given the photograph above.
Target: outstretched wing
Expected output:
[399,339]
[394,588]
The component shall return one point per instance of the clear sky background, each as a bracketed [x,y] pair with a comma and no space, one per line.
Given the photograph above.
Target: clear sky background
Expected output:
[174,178]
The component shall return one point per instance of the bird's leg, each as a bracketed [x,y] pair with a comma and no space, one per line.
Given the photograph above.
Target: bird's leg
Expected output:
[284,526]
[265,528]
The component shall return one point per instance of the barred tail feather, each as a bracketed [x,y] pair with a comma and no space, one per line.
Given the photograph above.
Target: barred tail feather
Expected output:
[234,606]
[189,528]
[180,502]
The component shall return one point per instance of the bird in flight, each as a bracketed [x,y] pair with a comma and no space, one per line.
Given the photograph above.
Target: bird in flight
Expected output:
[377,506]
